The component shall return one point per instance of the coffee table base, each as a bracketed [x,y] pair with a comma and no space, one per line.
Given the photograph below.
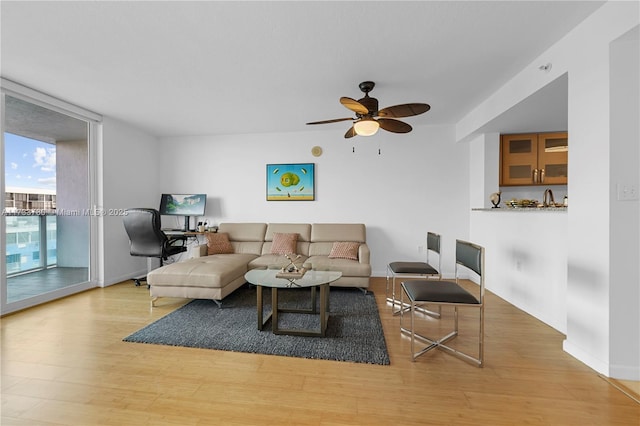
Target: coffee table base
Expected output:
[275,311]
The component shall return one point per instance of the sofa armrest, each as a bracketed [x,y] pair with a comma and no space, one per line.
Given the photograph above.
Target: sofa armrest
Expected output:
[199,251]
[364,254]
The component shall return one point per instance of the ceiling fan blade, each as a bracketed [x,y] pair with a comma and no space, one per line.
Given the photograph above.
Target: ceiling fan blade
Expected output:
[350,133]
[395,126]
[335,120]
[354,105]
[404,110]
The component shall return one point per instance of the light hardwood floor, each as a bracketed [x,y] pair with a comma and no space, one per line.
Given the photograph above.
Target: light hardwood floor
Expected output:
[65,363]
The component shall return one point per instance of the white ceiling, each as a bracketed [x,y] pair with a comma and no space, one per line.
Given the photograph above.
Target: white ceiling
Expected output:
[210,67]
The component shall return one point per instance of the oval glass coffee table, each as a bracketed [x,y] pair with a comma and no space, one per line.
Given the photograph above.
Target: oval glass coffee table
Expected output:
[312,279]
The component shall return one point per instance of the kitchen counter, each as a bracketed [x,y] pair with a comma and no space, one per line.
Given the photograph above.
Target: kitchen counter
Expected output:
[522,209]
[526,258]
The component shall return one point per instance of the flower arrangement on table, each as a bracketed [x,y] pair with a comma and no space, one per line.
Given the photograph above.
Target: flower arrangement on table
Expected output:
[291,270]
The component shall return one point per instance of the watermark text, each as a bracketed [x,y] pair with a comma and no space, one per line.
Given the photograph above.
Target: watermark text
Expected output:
[96,211]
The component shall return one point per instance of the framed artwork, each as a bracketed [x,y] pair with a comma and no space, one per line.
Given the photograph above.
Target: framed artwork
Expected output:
[291,182]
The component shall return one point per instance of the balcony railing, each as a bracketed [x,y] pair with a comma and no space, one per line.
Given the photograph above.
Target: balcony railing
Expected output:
[31,242]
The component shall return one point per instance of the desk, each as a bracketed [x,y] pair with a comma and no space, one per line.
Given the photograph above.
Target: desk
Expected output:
[191,238]
[185,233]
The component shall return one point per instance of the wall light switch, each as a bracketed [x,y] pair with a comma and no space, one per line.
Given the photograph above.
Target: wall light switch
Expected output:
[627,191]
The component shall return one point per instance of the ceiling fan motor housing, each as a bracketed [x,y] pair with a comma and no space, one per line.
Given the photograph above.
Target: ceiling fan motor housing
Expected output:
[367,86]
[370,103]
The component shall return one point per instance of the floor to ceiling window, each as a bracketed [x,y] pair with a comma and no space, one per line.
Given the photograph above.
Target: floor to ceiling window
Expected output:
[48,225]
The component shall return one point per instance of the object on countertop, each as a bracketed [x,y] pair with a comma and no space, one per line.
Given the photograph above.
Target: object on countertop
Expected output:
[523,203]
[495,199]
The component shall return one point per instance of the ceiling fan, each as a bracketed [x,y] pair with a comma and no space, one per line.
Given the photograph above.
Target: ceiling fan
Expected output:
[369,118]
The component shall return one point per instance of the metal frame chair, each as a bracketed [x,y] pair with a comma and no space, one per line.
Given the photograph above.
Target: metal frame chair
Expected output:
[414,270]
[448,293]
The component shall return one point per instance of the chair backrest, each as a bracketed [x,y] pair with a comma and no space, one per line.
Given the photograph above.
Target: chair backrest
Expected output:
[433,245]
[433,242]
[143,228]
[471,256]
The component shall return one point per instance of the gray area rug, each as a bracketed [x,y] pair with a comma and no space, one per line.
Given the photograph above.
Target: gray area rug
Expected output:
[354,330]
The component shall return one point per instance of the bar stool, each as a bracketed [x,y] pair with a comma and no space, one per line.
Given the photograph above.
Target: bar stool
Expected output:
[424,270]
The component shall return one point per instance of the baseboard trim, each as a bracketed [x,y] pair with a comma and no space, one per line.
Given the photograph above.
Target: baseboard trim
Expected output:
[585,358]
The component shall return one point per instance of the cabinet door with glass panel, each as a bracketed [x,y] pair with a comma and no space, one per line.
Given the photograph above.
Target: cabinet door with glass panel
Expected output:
[553,158]
[534,159]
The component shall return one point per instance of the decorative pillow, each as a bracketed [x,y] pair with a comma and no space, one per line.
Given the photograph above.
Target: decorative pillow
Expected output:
[284,243]
[344,250]
[218,243]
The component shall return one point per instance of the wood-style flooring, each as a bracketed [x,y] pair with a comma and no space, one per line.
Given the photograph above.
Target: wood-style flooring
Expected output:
[64,363]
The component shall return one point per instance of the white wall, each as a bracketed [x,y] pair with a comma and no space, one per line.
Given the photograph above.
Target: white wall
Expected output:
[130,179]
[584,54]
[418,183]
[625,214]
[526,263]
[484,169]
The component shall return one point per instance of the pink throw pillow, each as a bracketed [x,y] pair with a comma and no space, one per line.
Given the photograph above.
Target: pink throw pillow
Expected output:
[218,243]
[344,250]
[284,243]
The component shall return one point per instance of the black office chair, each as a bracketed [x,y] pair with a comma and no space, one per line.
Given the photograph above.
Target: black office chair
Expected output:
[147,239]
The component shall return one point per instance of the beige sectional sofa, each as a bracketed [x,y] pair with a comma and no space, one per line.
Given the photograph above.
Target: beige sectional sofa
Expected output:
[216,276]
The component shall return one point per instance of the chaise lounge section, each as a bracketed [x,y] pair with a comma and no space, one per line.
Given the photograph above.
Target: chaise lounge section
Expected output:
[216,270]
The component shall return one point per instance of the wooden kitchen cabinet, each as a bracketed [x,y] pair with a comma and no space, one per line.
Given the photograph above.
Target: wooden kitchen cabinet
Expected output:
[534,159]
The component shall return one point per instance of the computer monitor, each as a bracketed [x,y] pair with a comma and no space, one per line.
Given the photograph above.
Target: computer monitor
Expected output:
[183,205]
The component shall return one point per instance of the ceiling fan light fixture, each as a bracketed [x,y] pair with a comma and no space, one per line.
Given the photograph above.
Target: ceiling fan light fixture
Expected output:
[366,127]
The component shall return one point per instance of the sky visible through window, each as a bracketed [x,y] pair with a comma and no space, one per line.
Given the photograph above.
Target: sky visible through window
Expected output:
[29,163]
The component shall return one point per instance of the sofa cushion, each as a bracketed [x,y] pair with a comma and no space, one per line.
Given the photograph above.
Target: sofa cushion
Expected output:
[244,231]
[209,271]
[344,250]
[247,247]
[218,243]
[320,249]
[246,238]
[284,243]
[349,268]
[275,261]
[302,229]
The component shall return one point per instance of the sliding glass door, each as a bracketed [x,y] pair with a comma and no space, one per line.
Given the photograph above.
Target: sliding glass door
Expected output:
[47,192]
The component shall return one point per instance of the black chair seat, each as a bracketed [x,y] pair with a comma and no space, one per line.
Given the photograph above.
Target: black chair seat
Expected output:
[438,292]
[415,270]
[420,268]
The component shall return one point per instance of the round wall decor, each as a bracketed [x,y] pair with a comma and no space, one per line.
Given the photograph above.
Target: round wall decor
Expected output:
[316,151]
